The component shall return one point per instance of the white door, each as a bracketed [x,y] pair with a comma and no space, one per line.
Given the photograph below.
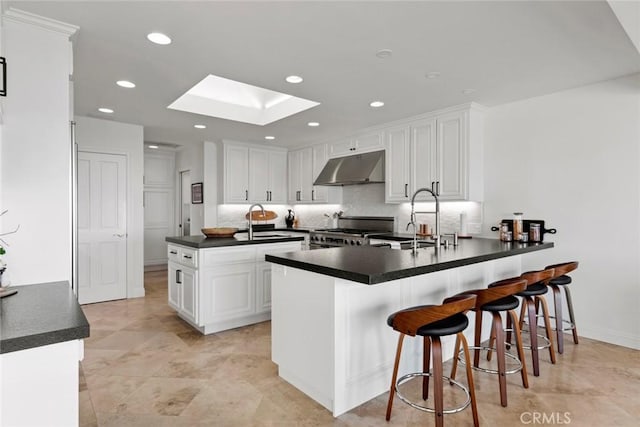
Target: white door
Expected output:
[102,227]
[185,203]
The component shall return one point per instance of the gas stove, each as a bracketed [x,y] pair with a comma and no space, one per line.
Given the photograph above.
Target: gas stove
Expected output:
[354,231]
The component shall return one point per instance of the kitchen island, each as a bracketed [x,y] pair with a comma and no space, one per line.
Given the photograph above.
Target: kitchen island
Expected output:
[329,309]
[42,328]
[222,283]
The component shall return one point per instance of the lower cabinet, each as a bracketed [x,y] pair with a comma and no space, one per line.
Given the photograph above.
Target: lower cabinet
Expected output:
[231,286]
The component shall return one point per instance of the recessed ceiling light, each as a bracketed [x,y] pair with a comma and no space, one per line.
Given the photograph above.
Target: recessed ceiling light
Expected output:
[105,110]
[159,38]
[377,104]
[294,79]
[152,146]
[432,74]
[313,124]
[199,126]
[384,53]
[468,91]
[269,137]
[126,83]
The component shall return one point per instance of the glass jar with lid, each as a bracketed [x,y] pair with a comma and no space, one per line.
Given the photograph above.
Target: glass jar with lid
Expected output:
[534,232]
[517,225]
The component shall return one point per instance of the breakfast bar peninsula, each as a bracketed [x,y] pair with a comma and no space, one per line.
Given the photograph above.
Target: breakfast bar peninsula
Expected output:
[330,306]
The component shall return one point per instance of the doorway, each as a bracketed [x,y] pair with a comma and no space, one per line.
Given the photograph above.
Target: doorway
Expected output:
[102,227]
[185,203]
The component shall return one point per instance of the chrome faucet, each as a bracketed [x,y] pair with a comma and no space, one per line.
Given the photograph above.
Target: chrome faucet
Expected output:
[251,218]
[413,219]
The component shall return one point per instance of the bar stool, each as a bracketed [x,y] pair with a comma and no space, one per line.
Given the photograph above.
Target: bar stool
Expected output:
[560,279]
[498,298]
[532,298]
[432,322]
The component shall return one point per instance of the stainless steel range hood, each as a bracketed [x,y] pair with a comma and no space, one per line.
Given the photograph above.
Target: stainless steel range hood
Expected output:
[367,168]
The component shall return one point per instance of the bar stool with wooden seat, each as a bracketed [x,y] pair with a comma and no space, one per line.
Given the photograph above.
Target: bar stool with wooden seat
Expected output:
[432,322]
[532,297]
[561,280]
[498,298]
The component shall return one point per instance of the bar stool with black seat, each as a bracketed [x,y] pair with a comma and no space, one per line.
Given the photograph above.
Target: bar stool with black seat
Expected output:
[561,280]
[432,322]
[532,298]
[498,298]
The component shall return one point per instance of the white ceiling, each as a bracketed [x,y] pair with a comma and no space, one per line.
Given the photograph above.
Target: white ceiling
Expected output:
[504,50]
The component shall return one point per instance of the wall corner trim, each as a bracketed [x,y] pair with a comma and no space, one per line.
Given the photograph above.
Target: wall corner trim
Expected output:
[18,15]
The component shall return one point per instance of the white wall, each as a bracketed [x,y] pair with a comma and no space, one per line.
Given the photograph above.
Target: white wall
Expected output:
[572,159]
[210,184]
[106,136]
[191,158]
[36,151]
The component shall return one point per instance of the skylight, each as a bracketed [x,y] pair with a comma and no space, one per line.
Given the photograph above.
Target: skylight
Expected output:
[228,99]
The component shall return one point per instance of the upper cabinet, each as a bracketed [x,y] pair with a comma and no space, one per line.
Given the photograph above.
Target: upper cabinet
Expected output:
[442,152]
[361,144]
[254,174]
[304,167]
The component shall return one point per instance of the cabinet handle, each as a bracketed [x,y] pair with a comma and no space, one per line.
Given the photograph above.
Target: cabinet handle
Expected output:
[438,188]
[267,195]
[246,194]
[406,189]
[270,196]
[173,252]
[187,256]
[178,277]
[433,183]
[298,195]
[313,194]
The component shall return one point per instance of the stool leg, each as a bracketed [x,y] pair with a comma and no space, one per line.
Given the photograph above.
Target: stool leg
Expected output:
[516,331]
[454,366]
[500,350]
[557,307]
[509,328]
[492,339]
[394,377]
[571,317]
[437,381]
[472,387]
[476,338]
[547,326]
[426,358]
[531,309]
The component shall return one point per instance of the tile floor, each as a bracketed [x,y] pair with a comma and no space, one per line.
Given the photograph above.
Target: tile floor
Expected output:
[144,366]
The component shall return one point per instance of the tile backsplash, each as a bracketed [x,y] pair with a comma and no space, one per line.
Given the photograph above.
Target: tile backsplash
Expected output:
[362,200]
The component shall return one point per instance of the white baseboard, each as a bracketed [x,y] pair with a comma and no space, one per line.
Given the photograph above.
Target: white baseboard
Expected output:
[155,267]
[611,336]
[135,293]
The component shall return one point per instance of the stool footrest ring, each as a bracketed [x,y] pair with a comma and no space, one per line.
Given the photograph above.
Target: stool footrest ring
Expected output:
[546,341]
[518,368]
[455,410]
[571,327]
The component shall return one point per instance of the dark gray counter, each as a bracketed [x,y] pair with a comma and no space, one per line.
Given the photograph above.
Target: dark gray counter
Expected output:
[202,242]
[40,315]
[371,265]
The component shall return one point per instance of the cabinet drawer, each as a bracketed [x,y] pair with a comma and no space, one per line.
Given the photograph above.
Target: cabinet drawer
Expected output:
[213,257]
[172,253]
[188,257]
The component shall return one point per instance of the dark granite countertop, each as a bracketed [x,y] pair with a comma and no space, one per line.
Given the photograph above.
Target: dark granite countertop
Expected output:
[371,265]
[40,315]
[202,242]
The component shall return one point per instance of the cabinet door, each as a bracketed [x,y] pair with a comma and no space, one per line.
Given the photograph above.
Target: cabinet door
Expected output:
[259,174]
[277,177]
[424,156]
[263,287]
[451,145]
[228,292]
[306,184]
[236,174]
[369,142]
[397,169]
[293,158]
[342,148]
[189,297]
[320,193]
[174,286]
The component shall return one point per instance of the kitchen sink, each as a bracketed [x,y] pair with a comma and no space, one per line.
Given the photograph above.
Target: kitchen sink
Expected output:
[421,244]
[260,236]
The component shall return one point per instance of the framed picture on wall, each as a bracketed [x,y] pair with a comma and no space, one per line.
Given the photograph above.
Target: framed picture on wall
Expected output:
[196,193]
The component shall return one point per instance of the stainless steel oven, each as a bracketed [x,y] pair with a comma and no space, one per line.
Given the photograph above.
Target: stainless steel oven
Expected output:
[351,231]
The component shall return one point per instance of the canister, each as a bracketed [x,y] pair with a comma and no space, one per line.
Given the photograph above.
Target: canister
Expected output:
[534,232]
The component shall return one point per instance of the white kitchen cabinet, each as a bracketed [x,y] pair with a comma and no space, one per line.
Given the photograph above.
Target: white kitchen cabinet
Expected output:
[236,173]
[220,288]
[304,167]
[360,144]
[442,152]
[254,175]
